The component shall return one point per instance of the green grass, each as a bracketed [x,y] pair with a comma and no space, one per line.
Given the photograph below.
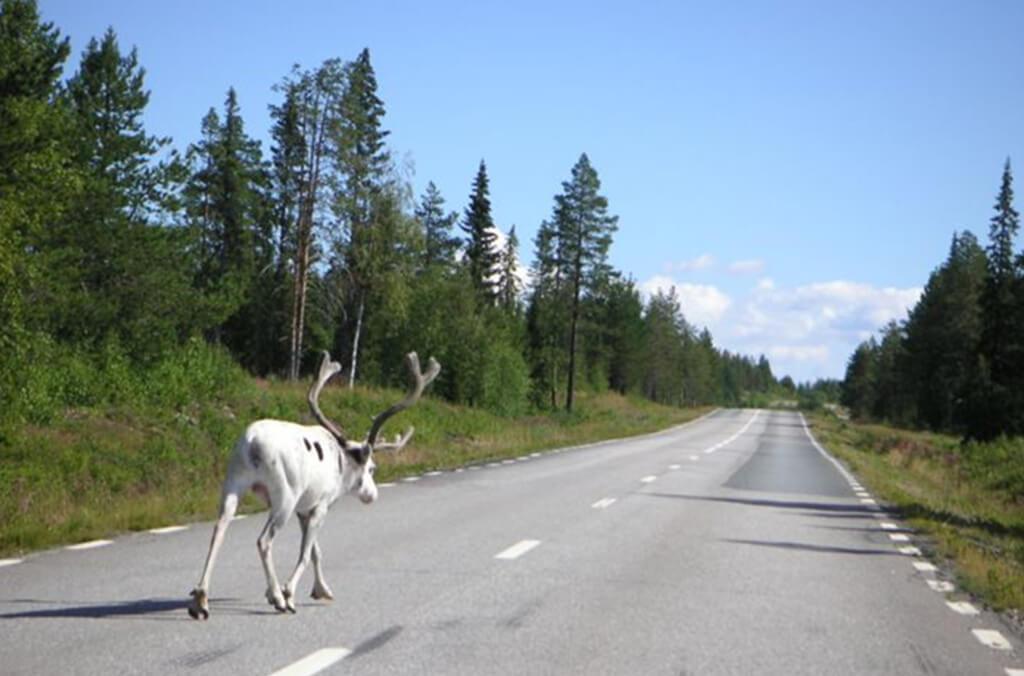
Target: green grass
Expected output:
[966,501]
[94,472]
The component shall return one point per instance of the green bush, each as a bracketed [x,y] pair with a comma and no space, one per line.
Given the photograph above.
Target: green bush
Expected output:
[998,465]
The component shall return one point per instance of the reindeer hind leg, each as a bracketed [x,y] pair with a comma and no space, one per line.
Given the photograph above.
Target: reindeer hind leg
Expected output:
[199,607]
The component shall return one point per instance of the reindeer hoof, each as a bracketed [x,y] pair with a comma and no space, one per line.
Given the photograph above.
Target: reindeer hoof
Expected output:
[322,594]
[275,599]
[289,602]
[199,609]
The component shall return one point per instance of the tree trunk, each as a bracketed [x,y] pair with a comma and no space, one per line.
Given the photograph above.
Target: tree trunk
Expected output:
[355,339]
[577,279]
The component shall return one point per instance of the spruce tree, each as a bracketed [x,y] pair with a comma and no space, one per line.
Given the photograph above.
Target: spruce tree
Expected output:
[1002,346]
[440,245]
[481,258]
[509,285]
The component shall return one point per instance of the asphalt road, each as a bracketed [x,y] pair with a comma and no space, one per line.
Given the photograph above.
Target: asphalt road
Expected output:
[731,545]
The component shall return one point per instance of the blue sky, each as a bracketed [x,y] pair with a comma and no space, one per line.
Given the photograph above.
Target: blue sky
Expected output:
[795,169]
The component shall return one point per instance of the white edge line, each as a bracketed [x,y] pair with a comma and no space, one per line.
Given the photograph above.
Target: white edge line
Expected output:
[93,544]
[963,607]
[517,550]
[899,537]
[940,585]
[9,562]
[314,662]
[992,638]
[166,529]
[1014,672]
[649,479]
[910,551]
[603,503]
[387,485]
[925,567]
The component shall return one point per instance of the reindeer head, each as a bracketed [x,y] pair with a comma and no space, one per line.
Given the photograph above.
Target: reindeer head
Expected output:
[357,465]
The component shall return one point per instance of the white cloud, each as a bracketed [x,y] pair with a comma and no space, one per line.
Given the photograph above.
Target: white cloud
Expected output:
[811,330]
[702,262]
[765,284]
[702,304]
[751,266]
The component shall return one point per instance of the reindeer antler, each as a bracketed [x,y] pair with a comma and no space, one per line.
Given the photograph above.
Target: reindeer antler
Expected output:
[328,369]
[418,381]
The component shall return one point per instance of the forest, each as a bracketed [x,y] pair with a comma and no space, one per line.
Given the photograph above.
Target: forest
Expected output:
[131,267]
[956,364]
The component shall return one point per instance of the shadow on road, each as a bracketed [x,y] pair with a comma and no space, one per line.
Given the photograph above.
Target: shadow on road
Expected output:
[784,504]
[820,549]
[97,611]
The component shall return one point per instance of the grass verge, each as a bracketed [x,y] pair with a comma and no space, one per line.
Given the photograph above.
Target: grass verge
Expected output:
[96,472]
[959,497]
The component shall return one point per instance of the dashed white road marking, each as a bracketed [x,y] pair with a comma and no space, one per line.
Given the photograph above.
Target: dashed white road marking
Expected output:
[648,479]
[992,638]
[963,607]
[387,485]
[9,562]
[868,501]
[460,469]
[93,544]
[434,473]
[924,567]
[695,458]
[673,466]
[314,662]
[507,462]
[239,517]
[862,494]
[888,525]
[535,455]
[517,550]
[410,479]
[1014,672]
[899,537]
[603,503]
[166,529]
[910,551]
[494,464]
[940,585]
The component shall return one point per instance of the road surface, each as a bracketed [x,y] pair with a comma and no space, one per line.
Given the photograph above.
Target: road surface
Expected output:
[731,545]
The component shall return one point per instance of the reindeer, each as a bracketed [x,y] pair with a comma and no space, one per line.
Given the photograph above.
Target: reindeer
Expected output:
[302,469]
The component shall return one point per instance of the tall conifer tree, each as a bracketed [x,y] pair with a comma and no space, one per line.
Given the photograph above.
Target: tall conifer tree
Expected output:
[478,225]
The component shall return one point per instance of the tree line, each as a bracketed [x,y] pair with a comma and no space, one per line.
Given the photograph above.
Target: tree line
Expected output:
[115,247]
[956,363]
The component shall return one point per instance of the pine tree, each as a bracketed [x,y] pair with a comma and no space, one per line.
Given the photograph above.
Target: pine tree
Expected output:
[37,178]
[546,318]
[585,232]
[440,246]
[362,160]
[301,136]
[481,258]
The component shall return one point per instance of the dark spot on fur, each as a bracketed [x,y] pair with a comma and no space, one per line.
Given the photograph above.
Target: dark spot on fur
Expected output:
[319,451]
[359,455]
[254,456]
[306,441]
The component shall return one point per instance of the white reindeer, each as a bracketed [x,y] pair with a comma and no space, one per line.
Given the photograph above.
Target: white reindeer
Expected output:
[302,469]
